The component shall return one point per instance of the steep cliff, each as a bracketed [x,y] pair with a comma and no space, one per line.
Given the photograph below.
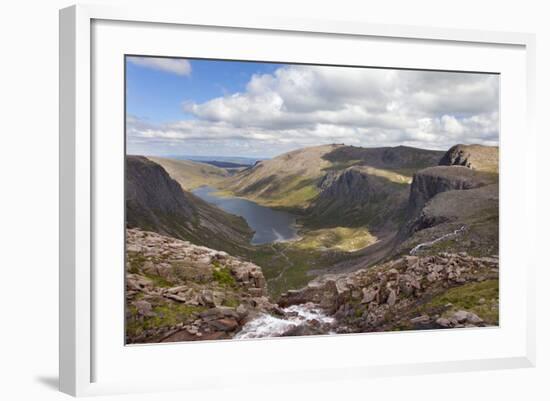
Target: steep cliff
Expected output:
[452,208]
[433,180]
[359,195]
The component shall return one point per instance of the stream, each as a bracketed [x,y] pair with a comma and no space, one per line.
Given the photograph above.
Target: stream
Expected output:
[266,325]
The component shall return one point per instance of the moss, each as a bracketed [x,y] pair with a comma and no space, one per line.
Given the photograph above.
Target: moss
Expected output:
[136,261]
[231,302]
[159,281]
[165,315]
[223,276]
[468,297]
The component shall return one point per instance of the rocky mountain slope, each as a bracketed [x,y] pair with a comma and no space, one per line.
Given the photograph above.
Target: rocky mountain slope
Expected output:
[359,196]
[440,291]
[431,181]
[446,208]
[156,202]
[454,207]
[289,180]
[177,291]
[477,157]
[404,159]
[295,179]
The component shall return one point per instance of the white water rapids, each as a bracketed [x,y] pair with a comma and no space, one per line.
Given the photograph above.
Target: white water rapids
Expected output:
[266,325]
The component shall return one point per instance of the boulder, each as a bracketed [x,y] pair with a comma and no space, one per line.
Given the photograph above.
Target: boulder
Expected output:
[225,324]
[144,308]
[420,319]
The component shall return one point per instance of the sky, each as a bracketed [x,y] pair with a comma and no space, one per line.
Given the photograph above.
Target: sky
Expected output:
[189,107]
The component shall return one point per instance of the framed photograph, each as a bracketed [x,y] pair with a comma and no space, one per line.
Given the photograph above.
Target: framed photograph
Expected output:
[290,200]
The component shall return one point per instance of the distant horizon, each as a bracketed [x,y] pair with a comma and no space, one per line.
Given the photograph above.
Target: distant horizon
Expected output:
[213,157]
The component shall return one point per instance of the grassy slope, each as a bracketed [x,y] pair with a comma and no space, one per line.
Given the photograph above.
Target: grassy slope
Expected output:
[191,174]
[287,181]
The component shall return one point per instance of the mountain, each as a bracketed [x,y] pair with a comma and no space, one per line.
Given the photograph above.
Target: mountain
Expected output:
[445,208]
[191,174]
[289,180]
[359,196]
[295,179]
[156,202]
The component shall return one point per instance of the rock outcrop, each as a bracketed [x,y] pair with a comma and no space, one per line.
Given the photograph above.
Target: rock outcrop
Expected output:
[477,157]
[434,180]
[408,293]
[359,195]
[451,199]
[177,291]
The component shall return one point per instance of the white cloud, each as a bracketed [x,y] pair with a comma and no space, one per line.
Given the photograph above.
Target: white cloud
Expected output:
[299,106]
[172,65]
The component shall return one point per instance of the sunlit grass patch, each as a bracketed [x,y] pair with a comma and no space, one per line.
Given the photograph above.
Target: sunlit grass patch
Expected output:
[346,239]
[390,175]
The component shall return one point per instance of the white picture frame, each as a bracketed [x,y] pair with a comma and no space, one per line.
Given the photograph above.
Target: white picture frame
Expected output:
[82,350]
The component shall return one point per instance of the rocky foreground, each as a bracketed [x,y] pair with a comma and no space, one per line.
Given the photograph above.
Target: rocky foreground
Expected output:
[177,291]
[442,291]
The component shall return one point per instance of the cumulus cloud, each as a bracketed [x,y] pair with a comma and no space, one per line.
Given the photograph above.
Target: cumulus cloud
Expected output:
[172,65]
[298,106]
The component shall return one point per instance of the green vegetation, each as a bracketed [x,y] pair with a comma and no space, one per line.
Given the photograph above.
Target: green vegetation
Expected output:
[480,298]
[341,165]
[191,174]
[159,281]
[345,239]
[223,276]
[390,175]
[289,266]
[165,315]
[136,261]
[231,302]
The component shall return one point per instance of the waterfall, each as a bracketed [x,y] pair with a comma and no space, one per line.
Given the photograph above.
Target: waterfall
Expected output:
[266,325]
[430,243]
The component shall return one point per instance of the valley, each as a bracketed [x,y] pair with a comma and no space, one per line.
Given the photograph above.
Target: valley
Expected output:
[345,239]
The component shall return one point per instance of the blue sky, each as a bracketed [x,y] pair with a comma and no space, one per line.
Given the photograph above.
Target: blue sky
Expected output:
[157,95]
[247,109]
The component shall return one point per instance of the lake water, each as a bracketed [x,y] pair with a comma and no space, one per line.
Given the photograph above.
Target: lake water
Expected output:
[269,225]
